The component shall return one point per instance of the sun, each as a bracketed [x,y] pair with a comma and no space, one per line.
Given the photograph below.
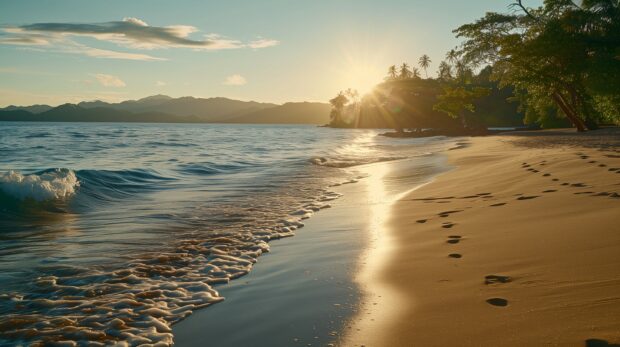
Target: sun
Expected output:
[358,66]
[361,77]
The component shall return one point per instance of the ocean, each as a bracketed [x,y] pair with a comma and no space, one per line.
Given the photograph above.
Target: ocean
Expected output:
[112,232]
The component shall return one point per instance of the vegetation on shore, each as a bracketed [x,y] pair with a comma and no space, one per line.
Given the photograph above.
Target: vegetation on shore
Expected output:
[554,65]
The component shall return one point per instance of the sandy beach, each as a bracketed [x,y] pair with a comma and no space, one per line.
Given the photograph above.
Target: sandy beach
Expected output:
[518,245]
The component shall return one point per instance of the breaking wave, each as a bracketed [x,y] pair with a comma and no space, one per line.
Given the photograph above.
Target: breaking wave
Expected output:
[47,185]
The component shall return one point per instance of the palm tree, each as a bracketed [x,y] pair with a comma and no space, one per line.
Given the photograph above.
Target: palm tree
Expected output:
[392,73]
[452,56]
[415,73]
[404,71]
[424,63]
[445,71]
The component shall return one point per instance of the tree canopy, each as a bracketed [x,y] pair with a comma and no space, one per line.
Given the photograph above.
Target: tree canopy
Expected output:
[560,56]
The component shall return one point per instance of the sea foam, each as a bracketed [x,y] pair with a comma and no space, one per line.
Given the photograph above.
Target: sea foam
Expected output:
[49,185]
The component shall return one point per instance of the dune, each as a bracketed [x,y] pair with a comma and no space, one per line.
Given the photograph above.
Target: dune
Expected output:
[519,245]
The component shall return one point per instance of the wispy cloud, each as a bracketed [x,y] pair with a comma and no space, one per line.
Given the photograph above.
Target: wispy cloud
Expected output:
[235,80]
[130,32]
[263,43]
[109,80]
[160,84]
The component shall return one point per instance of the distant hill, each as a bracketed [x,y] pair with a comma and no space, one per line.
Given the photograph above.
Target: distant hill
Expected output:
[75,113]
[289,113]
[31,109]
[206,109]
[162,108]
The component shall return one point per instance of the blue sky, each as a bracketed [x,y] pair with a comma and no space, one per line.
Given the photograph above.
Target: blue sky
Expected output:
[270,50]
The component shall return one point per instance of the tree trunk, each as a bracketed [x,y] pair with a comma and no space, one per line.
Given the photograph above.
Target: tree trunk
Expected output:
[579,100]
[570,114]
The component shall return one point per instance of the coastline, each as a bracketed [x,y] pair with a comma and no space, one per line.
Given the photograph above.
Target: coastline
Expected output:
[298,294]
[519,245]
[319,266]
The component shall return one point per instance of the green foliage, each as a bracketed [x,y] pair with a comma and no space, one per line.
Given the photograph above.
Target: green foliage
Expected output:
[560,55]
[457,100]
[345,109]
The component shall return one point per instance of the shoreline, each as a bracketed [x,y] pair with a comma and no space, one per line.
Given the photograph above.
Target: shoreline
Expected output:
[519,245]
[305,291]
[298,293]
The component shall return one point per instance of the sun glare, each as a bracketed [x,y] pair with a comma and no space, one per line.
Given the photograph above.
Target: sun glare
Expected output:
[361,77]
[360,67]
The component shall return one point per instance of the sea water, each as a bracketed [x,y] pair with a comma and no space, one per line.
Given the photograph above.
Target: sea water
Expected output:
[110,233]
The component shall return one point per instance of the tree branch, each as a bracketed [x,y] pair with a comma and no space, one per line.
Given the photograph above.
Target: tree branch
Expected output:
[519,4]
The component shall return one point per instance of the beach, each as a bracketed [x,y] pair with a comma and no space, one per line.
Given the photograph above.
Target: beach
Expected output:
[518,245]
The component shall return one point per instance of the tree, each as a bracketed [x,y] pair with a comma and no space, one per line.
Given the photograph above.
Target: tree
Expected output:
[405,73]
[415,73]
[338,103]
[457,100]
[452,56]
[560,55]
[424,63]
[445,71]
[392,72]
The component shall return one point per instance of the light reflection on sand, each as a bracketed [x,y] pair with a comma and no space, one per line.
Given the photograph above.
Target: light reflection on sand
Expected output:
[385,184]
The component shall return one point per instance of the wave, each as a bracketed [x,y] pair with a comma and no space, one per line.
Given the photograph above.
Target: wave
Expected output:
[350,162]
[52,186]
[42,186]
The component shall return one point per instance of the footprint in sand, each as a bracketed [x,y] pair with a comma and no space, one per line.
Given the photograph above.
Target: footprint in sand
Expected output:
[498,302]
[600,343]
[547,175]
[584,157]
[493,279]
[527,197]
[555,179]
[447,213]
[454,239]
[498,204]
[470,197]
[448,225]
[578,185]
[613,169]
[602,165]
[565,184]
[455,255]
[581,193]
[550,191]
[421,221]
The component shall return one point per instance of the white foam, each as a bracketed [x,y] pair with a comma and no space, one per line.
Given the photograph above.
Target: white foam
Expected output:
[57,184]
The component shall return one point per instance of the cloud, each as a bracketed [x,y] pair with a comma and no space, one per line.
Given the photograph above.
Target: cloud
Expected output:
[130,33]
[61,44]
[109,80]
[235,80]
[160,83]
[263,43]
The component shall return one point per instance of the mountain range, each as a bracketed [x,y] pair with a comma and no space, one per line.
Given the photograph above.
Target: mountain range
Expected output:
[165,109]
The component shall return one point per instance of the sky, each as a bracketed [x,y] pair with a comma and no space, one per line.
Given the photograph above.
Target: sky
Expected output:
[58,51]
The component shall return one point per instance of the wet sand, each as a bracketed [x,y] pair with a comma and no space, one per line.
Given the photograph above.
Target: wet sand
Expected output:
[304,293]
[519,245]
[299,294]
